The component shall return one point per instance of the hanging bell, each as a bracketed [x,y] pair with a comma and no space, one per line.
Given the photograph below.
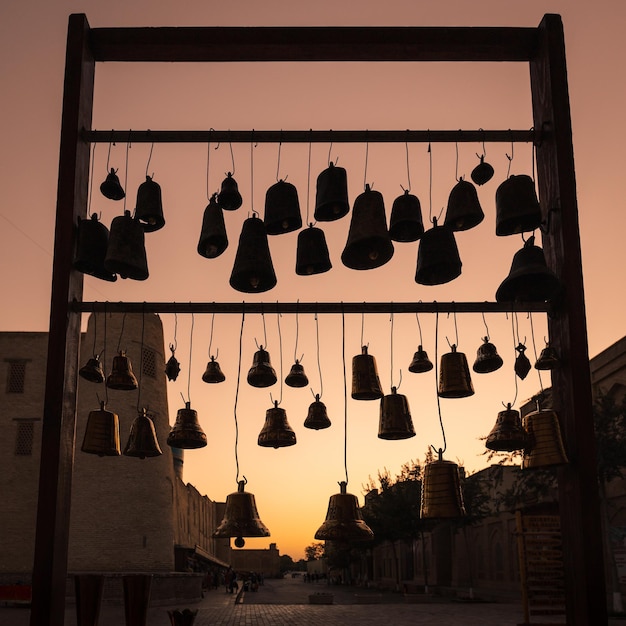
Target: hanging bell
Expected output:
[149,209]
[530,279]
[213,372]
[172,367]
[464,210]
[317,417]
[241,518]
[282,209]
[438,258]
[111,187]
[548,359]
[126,250]
[92,370]
[522,364]
[261,374]
[276,432]
[312,255]
[420,363]
[187,433]
[545,444]
[442,497]
[406,223]
[92,240]
[142,441]
[121,376]
[331,195]
[296,376]
[507,434]
[487,358]
[102,435]
[213,239]
[365,381]
[253,271]
[369,245]
[517,207]
[483,172]
[454,376]
[395,417]
[229,197]
[344,520]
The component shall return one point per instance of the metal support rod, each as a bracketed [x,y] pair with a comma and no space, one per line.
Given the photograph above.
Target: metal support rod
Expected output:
[316,136]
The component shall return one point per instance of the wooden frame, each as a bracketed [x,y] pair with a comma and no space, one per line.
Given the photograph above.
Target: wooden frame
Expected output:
[542,47]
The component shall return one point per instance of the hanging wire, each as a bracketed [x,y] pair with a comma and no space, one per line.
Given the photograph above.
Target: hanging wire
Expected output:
[362,325]
[295,349]
[419,327]
[280,349]
[126,170]
[408,169]
[111,142]
[345,393]
[211,336]
[367,149]
[532,159]
[252,174]
[208,158]
[532,334]
[430,182]
[190,353]
[174,346]
[483,142]
[515,344]
[95,330]
[93,153]
[510,157]
[280,145]
[317,343]
[232,156]
[391,343]
[330,147]
[308,179]
[439,451]
[243,318]
[119,341]
[104,356]
[485,323]
[456,331]
[264,328]
[149,158]
[456,162]
[143,319]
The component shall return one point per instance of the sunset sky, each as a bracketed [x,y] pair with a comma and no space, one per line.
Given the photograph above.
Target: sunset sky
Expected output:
[292,485]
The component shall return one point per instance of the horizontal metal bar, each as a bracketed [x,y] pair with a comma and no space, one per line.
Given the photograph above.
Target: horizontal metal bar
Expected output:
[311,307]
[314,136]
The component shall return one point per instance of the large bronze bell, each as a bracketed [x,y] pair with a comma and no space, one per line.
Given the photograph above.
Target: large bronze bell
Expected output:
[331,194]
[545,444]
[122,376]
[92,240]
[253,271]
[442,497]
[344,521]
[454,376]
[487,358]
[282,209]
[213,240]
[548,359]
[517,207]
[276,432]
[149,209]
[187,432]
[317,416]
[213,372]
[312,255]
[405,223]
[229,197]
[369,245]
[507,434]
[111,187]
[464,210]
[296,376]
[395,417]
[365,381]
[142,441]
[261,374]
[126,250]
[420,363]
[172,367]
[102,435]
[438,259]
[241,518]
[92,370]
[530,279]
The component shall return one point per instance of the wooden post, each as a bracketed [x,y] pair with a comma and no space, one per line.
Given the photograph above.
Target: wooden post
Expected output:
[59,417]
[571,383]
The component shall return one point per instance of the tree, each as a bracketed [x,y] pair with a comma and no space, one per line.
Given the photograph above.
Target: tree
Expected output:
[314,551]
[286,563]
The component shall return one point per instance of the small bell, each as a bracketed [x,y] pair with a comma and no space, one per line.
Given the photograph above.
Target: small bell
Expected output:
[442,497]
[548,359]
[282,209]
[276,432]
[312,255]
[487,358]
[187,433]
[545,444]
[317,417]
[111,187]
[149,209]
[213,372]
[142,441]
[365,381]
[344,520]
[522,364]
[454,376]
[126,250]
[483,172]
[229,197]
[507,434]
[92,370]
[92,241]
[464,210]
[102,435]
[261,374]
[517,207]
[172,367]
[420,363]
[121,376]
[331,194]
[213,239]
[406,223]
[438,259]
[395,417]
[296,376]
